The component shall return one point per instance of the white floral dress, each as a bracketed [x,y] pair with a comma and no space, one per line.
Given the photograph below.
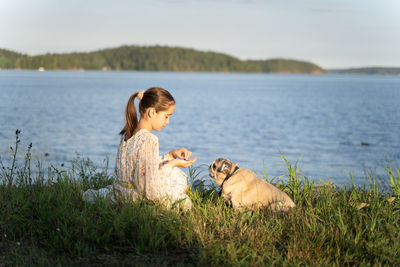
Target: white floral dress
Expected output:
[140,172]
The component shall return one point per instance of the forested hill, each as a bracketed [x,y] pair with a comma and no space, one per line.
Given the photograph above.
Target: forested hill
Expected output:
[8,59]
[153,58]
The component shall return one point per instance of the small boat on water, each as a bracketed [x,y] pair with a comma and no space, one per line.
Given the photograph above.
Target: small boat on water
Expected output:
[41,69]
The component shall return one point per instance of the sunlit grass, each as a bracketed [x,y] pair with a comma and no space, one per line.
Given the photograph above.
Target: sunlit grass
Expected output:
[44,221]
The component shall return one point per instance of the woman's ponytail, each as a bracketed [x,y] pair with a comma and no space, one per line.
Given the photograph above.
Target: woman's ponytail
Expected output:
[131,118]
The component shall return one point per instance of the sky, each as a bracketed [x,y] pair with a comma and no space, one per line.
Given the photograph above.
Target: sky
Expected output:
[331,34]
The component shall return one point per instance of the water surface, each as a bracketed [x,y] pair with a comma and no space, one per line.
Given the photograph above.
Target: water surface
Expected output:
[248,118]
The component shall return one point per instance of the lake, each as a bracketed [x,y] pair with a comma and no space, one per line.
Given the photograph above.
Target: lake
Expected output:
[336,125]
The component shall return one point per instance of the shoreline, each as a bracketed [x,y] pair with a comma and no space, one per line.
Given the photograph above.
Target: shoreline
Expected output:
[328,73]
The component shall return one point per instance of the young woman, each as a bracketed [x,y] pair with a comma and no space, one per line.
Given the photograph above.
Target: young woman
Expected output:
[140,172]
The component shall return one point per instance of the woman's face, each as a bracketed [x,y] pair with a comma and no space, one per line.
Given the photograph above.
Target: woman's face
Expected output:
[161,118]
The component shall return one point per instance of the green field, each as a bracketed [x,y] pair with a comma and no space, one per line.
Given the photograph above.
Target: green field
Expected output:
[44,221]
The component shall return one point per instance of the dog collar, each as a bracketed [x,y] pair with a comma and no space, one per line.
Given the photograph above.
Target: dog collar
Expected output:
[227,178]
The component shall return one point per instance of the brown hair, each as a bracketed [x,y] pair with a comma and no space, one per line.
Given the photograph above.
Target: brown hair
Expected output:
[154,97]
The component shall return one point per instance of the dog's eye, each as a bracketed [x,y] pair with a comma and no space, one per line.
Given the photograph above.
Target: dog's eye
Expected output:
[214,166]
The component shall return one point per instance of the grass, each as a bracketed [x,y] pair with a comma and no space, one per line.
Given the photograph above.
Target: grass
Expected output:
[44,221]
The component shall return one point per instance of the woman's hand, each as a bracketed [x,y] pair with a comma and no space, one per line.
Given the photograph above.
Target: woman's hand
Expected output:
[181,162]
[181,153]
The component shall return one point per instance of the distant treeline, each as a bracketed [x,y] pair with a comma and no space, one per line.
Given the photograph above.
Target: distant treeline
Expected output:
[370,70]
[153,58]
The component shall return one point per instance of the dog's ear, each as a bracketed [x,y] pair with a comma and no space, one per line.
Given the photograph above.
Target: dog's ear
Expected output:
[227,167]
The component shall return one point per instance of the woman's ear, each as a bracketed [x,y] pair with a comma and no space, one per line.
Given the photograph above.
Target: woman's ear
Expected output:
[151,113]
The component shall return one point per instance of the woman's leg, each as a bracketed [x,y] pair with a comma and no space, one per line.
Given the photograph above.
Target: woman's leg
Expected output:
[178,188]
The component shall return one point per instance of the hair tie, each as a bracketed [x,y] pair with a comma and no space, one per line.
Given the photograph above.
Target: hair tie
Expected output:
[140,95]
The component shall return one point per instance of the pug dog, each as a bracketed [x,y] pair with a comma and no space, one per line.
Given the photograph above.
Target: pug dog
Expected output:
[242,188]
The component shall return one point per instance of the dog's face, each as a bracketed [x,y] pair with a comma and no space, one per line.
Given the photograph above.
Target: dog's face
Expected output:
[220,169]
